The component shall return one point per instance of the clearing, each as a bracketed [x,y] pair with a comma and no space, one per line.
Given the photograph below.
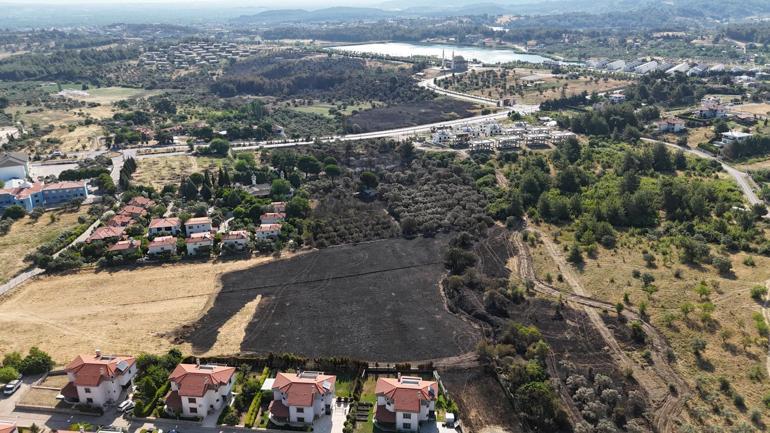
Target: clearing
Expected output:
[377,301]
[26,235]
[135,309]
[79,139]
[108,95]
[159,170]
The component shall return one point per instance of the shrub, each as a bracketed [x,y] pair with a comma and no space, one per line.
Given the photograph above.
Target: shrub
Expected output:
[14,212]
[758,293]
[36,362]
[8,374]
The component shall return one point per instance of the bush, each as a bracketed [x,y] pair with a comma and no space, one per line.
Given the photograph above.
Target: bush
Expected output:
[14,212]
[36,362]
[758,293]
[8,374]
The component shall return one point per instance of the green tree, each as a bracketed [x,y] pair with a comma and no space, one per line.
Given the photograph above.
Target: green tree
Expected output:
[8,374]
[369,180]
[14,212]
[308,164]
[219,146]
[280,188]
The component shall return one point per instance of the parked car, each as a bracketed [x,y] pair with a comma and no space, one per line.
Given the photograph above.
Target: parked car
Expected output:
[126,406]
[11,387]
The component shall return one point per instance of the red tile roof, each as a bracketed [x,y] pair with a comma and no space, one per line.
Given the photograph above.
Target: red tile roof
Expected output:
[194,380]
[406,392]
[102,233]
[199,237]
[21,193]
[174,401]
[236,235]
[198,220]
[163,241]
[384,415]
[120,221]
[7,427]
[269,228]
[133,210]
[278,409]
[273,215]
[157,223]
[141,202]
[70,391]
[300,389]
[89,370]
[125,245]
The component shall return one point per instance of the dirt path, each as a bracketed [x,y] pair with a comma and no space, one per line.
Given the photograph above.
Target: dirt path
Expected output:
[502,181]
[656,380]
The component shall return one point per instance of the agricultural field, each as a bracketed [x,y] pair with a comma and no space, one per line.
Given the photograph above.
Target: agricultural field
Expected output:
[26,235]
[109,95]
[376,301]
[760,109]
[688,303]
[74,139]
[326,109]
[137,310]
[409,114]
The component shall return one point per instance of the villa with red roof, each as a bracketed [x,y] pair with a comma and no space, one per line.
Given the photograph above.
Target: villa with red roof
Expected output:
[126,247]
[301,398]
[106,233]
[120,221]
[198,390]
[267,231]
[133,211]
[404,402]
[272,217]
[236,239]
[8,427]
[140,201]
[199,243]
[96,380]
[165,225]
[197,225]
[162,245]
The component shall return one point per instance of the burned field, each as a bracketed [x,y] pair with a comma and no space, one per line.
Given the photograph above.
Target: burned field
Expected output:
[376,301]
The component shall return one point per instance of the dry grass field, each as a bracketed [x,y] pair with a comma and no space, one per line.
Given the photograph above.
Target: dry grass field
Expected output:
[160,171]
[26,235]
[734,349]
[760,109]
[108,95]
[124,311]
[82,138]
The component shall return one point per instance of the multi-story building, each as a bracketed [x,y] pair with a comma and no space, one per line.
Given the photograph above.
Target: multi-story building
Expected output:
[98,379]
[404,402]
[197,225]
[198,390]
[14,165]
[301,398]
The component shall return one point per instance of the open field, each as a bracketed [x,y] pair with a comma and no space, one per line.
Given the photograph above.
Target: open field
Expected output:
[108,95]
[377,301]
[135,309]
[165,170]
[323,108]
[26,235]
[734,349]
[410,114]
[82,138]
[759,109]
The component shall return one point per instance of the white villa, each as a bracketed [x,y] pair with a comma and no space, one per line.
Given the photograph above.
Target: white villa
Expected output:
[301,398]
[404,402]
[238,239]
[198,243]
[197,225]
[165,225]
[96,380]
[272,217]
[198,390]
[162,244]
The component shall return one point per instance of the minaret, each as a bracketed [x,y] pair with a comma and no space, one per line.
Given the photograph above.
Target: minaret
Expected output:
[453,60]
[443,59]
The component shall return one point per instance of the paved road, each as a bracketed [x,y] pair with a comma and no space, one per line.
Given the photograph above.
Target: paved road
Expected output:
[741,177]
[431,85]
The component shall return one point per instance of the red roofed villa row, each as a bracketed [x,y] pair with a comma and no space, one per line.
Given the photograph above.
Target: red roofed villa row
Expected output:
[96,380]
[198,390]
[405,402]
[301,398]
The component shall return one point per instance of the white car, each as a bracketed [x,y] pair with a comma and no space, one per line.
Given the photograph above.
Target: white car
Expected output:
[126,406]
[11,387]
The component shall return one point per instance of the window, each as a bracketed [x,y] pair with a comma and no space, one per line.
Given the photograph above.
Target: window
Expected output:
[407,426]
[407,416]
[193,410]
[300,410]
[89,400]
[300,419]
[88,390]
[190,400]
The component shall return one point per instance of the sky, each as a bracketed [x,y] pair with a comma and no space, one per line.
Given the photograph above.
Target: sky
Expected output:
[270,4]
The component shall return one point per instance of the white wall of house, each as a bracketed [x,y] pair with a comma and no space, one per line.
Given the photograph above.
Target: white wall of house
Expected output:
[267,234]
[173,230]
[407,421]
[235,243]
[197,228]
[160,249]
[192,247]
[107,391]
[212,400]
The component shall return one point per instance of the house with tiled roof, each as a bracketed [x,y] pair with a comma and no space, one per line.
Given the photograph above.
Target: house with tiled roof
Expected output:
[197,225]
[133,211]
[8,427]
[300,398]
[198,390]
[272,217]
[278,206]
[20,192]
[142,202]
[98,379]
[14,165]
[199,243]
[165,225]
[404,402]
[120,220]
[236,239]
[162,245]
[106,233]
[125,247]
[267,231]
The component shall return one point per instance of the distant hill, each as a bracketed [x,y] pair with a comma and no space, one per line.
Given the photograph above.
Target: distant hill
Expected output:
[332,14]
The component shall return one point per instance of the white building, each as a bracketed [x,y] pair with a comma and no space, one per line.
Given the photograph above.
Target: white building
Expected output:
[617,65]
[733,137]
[272,217]
[617,98]
[199,243]
[165,225]
[268,231]
[301,398]
[198,390]
[646,67]
[197,225]
[404,402]
[162,245]
[237,240]
[96,380]
[14,165]
[671,124]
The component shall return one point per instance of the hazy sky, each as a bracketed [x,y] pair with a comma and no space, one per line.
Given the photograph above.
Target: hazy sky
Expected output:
[272,4]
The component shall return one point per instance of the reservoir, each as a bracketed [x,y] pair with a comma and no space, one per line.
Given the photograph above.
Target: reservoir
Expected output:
[481,54]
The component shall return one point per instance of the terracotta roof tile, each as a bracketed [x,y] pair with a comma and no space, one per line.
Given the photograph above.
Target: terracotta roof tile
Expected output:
[406,392]
[89,370]
[164,222]
[300,389]
[194,380]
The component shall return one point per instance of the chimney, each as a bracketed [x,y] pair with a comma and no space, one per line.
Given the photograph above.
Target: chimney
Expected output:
[399,377]
[197,362]
[98,355]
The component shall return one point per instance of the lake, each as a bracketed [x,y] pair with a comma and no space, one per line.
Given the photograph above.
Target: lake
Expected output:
[484,55]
